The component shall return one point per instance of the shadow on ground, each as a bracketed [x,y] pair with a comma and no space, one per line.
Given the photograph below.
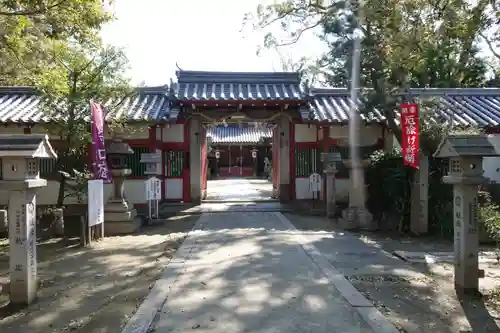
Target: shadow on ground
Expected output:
[252,277]
[415,297]
[94,289]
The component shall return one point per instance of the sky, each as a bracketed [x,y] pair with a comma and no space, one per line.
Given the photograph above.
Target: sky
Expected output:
[195,34]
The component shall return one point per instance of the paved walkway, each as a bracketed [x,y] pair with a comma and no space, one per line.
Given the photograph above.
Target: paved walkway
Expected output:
[239,189]
[253,272]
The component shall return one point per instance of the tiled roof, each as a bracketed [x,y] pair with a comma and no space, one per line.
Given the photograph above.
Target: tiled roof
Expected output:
[238,86]
[24,105]
[465,106]
[237,135]
[332,105]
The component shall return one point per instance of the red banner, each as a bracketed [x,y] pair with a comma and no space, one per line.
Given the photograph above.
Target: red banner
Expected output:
[409,128]
[99,164]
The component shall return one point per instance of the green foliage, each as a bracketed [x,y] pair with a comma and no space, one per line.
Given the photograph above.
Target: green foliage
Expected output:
[489,215]
[389,193]
[388,188]
[405,43]
[29,30]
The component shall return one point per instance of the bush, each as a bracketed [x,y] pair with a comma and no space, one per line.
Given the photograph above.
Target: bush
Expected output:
[388,188]
[489,215]
[389,193]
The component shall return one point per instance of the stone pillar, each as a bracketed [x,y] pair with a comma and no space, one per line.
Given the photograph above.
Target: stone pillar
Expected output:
[330,192]
[284,160]
[466,239]
[22,239]
[195,160]
[356,215]
[420,198]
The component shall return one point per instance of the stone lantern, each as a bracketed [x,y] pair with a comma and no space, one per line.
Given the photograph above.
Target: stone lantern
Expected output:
[254,159]
[119,216]
[217,158]
[20,156]
[465,154]
[330,168]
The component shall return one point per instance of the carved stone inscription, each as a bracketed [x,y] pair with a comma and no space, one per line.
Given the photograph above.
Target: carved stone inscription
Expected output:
[466,242]
[23,246]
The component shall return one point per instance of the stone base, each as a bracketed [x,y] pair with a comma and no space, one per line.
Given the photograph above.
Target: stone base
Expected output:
[120,219]
[284,193]
[21,294]
[357,218]
[113,228]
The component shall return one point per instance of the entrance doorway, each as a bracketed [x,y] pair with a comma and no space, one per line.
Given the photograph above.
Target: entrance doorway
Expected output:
[239,163]
[239,189]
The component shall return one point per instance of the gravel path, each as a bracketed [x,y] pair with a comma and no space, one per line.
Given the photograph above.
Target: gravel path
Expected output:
[94,290]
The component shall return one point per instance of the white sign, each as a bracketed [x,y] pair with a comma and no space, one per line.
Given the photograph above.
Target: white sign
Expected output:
[153,189]
[95,202]
[254,154]
[217,154]
[315,182]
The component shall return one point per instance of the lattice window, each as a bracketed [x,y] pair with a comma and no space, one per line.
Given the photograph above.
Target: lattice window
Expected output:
[174,160]
[134,163]
[32,167]
[307,161]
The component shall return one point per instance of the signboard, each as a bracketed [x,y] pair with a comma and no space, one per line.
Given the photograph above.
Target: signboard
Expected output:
[99,163]
[217,154]
[315,182]
[153,189]
[95,202]
[254,154]
[409,137]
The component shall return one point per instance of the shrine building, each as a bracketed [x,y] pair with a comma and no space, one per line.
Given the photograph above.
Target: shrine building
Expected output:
[241,118]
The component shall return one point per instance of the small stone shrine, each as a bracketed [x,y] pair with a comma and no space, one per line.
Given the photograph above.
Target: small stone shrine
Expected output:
[20,156]
[330,161]
[120,217]
[465,153]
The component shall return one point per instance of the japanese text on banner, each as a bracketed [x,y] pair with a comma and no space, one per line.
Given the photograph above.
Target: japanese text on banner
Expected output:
[409,128]
[99,163]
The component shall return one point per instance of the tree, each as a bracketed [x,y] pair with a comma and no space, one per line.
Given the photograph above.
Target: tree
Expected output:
[405,43]
[28,30]
[78,75]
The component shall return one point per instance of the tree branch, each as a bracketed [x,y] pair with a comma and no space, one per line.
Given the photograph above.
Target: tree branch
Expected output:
[33,12]
[490,45]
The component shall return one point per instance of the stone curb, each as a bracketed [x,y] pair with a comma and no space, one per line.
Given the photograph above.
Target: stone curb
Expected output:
[374,318]
[145,315]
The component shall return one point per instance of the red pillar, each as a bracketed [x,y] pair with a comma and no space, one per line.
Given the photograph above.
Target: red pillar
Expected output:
[292,160]
[186,182]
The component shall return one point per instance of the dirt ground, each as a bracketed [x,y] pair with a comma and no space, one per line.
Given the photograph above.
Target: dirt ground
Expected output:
[97,289]
[428,304]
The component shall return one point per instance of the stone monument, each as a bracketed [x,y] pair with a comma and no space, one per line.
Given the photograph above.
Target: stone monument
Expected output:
[20,156]
[356,215]
[465,153]
[120,217]
[330,168]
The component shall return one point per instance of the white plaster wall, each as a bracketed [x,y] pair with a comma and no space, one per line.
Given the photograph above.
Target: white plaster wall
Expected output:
[302,189]
[491,165]
[132,131]
[173,133]
[305,133]
[134,192]
[173,188]
[368,134]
